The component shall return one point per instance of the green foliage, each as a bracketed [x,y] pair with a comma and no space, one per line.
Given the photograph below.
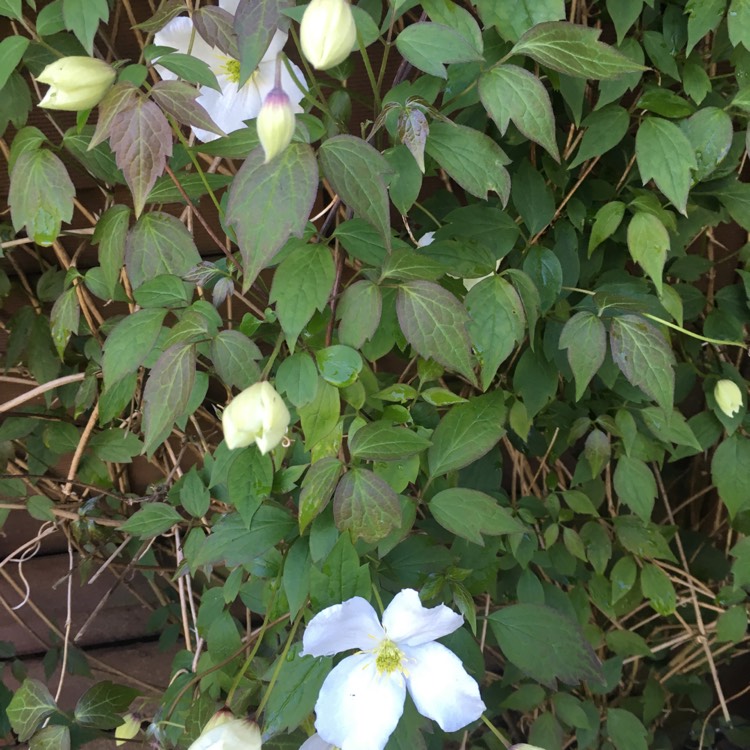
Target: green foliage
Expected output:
[492,281]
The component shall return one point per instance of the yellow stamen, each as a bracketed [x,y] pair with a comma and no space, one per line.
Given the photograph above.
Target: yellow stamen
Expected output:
[389,657]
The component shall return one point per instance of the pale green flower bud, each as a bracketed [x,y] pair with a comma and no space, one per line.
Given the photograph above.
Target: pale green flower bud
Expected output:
[728,397]
[275,123]
[258,415]
[225,732]
[76,83]
[127,730]
[327,32]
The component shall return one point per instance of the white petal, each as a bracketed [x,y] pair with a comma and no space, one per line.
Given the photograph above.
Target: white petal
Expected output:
[316,742]
[441,688]
[357,708]
[291,89]
[229,108]
[277,44]
[177,34]
[230,6]
[408,623]
[352,624]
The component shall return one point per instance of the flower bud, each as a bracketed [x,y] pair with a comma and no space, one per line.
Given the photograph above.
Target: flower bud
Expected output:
[225,732]
[327,32]
[76,83]
[275,123]
[728,397]
[127,730]
[258,415]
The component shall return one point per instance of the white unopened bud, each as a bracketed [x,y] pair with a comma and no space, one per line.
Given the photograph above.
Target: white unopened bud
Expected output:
[225,732]
[258,415]
[127,730]
[76,83]
[728,397]
[327,32]
[275,123]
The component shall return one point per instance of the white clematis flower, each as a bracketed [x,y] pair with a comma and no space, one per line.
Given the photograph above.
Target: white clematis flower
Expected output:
[257,415]
[231,106]
[226,732]
[362,698]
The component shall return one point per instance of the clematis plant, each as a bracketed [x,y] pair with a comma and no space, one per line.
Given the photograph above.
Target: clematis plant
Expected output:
[232,105]
[362,699]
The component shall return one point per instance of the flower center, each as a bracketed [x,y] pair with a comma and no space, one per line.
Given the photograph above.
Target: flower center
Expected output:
[388,657]
[232,69]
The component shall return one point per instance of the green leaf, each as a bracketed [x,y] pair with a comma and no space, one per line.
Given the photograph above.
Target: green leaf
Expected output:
[82,17]
[41,195]
[635,485]
[64,319]
[52,737]
[359,311]
[194,496]
[608,218]
[545,645]
[703,18]
[321,415]
[355,170]
[469,514]
[738,23]
[164,290]
[298,378]
[625,730]
[159,243]
[729,473]
[255,24]
[110,233]
[497,324]
[40,508]
[11,53]
[428,46]
[234,356]
[141,139]
[11,9]
[510,93]
[574,50]
[731,626]
[665,155]
[317,489]
[31,704]
[341,577]
[467,432]
[434,322]
[366,506]
[302,679]
[179,100]
[513,17]
[249,482]
[624,13]
[189,68]
[339,365]
[129,343]
[167,393]
[658,589]
[648,243]
[605,128]
[471,158]
[101,705]
[269,203]
[151,520]
[710,132]
[301,285]
[378,441]
[644,357]
[622,578]
[585,339]
[115,445]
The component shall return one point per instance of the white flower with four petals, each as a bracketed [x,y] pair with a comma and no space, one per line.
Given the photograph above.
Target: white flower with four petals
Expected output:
[231,106]
[362,699]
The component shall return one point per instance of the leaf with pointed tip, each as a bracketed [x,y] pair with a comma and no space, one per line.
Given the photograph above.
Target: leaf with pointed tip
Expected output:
[82,17]
[268,203]
[156,244]
[665,155]
[585,339]
[141,138]
[471,158]
[413,130]
[64,319]
[644,357]
[648,243]
[41,195]
[434,322]
[52,737]
[120,97]
[101,705]
[255,24]
[166,11]
[167,393]
[31,704]
[510,93]
[12,49]
[216,27]
[178,99]
[317,489]
[574,50]
[366,505]
[429,46]
[234,356]
[729,473]
[355,170]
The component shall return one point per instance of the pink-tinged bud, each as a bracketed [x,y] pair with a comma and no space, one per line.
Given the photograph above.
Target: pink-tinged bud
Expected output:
[76,83]
[128,729]
[275,123]
[327,32]
[225,732]
[728,397]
